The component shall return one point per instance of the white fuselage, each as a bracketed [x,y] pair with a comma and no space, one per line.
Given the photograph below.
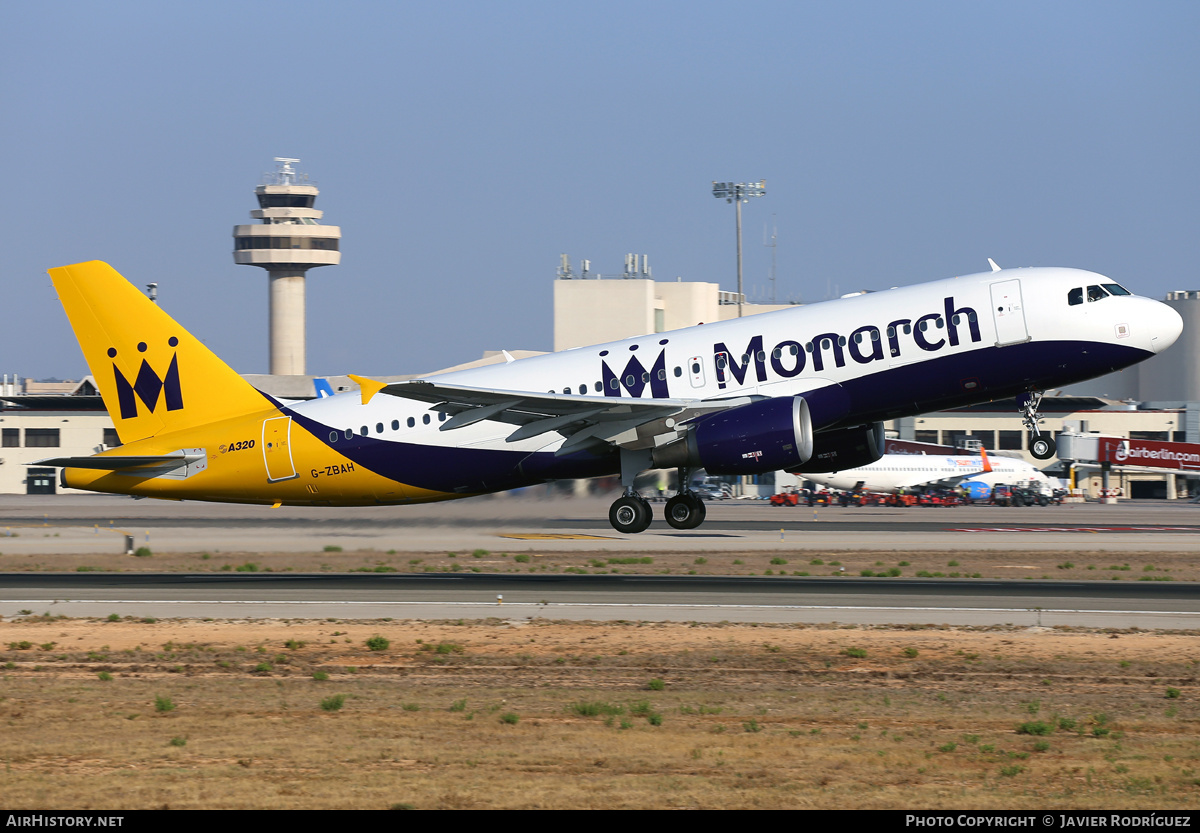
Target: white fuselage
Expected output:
[903,472]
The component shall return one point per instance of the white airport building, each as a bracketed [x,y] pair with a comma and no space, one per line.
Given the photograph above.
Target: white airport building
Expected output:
[590,308]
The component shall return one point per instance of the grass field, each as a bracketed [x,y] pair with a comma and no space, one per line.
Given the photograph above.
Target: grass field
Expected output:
[375,714]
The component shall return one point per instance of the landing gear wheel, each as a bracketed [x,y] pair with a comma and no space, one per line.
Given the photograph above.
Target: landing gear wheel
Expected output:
[630,514]
[1042,448]
[685,511]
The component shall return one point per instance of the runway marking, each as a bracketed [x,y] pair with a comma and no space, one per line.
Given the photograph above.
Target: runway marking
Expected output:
[1096,529]
[547,536]
[635,605]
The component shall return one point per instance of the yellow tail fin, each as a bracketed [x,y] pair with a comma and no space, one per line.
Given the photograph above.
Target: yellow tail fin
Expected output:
[154,375]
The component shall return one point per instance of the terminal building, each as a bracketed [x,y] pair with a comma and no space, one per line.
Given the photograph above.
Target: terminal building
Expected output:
[36,423]
[590,308]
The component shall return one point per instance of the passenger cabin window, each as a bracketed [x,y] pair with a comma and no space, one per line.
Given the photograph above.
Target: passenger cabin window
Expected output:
[1075,296]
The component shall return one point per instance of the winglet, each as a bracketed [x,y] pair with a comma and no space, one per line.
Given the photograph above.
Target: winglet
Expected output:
[369,387]
[987,465]
[992,263]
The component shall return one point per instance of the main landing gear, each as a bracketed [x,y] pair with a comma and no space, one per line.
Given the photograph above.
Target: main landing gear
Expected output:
[685,510]
[631,513]
[1042,447]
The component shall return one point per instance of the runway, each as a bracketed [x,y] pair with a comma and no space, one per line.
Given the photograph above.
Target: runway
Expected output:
[34,527]
[570,597]
[89,523]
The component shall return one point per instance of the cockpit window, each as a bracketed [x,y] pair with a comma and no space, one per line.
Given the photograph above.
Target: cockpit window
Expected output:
[1096,293]
[1117,289]
[1075,296]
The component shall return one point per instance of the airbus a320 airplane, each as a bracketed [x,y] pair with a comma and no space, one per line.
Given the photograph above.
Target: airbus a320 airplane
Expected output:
[804,390]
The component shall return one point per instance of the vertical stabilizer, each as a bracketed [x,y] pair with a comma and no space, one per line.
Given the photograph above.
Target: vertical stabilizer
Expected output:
[987,466]
[154,375]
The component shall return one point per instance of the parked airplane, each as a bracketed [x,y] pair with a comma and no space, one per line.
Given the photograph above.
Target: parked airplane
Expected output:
[977,473]
[803,389]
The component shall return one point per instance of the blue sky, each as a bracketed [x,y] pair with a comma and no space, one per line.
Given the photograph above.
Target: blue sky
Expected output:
[462,146]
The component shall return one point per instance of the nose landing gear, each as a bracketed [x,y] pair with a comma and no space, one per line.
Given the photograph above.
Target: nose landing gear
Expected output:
[1042,447]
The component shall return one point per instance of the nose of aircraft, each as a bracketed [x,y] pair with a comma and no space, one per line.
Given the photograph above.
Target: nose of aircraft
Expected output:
[1163,324]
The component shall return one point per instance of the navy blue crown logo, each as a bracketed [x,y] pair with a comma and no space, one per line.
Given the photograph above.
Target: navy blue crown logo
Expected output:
[149,387]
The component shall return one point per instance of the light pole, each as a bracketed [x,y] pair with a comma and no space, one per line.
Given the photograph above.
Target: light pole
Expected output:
[738,193]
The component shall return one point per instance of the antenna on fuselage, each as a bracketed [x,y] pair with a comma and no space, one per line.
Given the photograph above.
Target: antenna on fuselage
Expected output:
[995,268]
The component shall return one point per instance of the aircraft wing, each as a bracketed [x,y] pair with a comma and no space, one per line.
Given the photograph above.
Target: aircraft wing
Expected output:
[954,479]
[583,420]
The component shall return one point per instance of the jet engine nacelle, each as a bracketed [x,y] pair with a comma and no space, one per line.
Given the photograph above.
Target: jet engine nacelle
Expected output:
[845,448]
[752,439]
[977,490]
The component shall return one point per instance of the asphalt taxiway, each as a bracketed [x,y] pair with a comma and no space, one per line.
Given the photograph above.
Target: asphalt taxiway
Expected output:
[604,597]
[72,524]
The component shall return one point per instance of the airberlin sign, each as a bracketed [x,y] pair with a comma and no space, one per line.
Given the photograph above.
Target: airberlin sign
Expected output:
[1149,453]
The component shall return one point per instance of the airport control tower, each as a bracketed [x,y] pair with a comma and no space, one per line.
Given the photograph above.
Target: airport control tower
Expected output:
[288,243]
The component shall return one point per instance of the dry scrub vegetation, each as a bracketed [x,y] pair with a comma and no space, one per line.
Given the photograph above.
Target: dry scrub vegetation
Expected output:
[377,714]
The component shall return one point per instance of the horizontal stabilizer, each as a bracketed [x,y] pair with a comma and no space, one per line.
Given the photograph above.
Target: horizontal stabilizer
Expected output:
[117,463]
